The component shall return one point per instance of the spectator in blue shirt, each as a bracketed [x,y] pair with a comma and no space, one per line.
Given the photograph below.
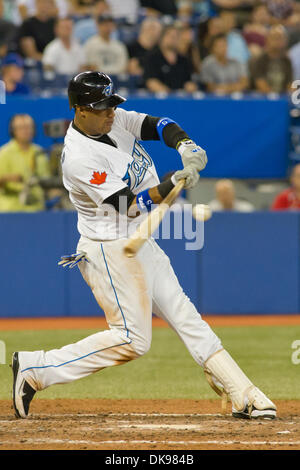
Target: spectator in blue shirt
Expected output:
[236,44]
[12,75]
[86,27]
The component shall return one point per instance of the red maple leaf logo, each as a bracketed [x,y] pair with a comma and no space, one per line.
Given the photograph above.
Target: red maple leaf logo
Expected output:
[98,178]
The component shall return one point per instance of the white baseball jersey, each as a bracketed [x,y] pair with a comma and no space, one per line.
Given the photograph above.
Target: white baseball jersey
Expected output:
[94,170]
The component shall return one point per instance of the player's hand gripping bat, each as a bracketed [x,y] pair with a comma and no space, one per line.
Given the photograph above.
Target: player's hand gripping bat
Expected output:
[150,224]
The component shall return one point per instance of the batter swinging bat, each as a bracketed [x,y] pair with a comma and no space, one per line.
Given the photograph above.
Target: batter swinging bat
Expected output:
[150,224]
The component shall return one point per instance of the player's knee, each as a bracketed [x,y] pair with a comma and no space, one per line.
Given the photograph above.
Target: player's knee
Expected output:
[141,346]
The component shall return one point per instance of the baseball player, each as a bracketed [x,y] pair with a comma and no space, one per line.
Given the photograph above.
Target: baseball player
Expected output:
[112,182]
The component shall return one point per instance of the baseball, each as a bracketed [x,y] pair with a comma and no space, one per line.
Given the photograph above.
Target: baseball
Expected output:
[201,212]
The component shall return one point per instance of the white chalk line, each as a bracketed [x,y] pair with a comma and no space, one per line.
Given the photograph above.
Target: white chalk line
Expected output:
[108,414]
[128,425]
[152,427]
[168,414]
[151,442]
[178,427]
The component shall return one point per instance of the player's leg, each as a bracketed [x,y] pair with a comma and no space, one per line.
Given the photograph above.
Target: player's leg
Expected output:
[170,303]
[119,286]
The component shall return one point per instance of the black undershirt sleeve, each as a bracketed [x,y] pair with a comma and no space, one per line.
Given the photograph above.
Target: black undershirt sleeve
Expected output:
[149,131]
[165,187]
[115,200]
[172,133]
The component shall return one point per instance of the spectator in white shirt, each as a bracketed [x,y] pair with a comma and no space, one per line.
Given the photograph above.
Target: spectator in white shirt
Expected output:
[63,55]
[125,10]
[226,199]
[104,53]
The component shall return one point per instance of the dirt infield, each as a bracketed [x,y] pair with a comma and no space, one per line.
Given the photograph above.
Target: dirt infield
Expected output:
[145,424]
[19,324]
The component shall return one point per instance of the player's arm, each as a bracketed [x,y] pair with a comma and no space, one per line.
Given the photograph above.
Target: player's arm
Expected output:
[146,127]
[169,132]
[126,202]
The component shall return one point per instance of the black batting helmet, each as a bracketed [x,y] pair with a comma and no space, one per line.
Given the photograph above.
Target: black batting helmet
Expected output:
[94,90]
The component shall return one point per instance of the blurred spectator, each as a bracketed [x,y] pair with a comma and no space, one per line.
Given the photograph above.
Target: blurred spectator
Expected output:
[241,8]
[220,74]
[256,31]
[289,199]
[103,53]
[27,8]
[85,28]
[233,5]
[294,32]
[3,51]
[12,75]
[126,10]
[280,10]
[81,7]
[190,8]
[22,163]
[226,199]
[7,30]
[10,11]
[166,7]
[236,45]
[36,32]
[272,70]
[294,55]
[187,47]
[165,69]
[63,55]
[148,37]
[206,31]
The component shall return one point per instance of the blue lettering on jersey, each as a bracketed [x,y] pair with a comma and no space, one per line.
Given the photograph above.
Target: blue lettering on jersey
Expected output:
[137,169]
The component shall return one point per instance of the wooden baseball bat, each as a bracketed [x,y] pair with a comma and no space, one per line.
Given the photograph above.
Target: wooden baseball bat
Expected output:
[150,224]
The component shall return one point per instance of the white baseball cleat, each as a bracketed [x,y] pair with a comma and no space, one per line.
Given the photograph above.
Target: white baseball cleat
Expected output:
[23,393]
[258,406]
[228,380]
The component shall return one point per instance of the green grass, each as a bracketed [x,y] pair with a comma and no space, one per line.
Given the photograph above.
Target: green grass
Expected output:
[168,370]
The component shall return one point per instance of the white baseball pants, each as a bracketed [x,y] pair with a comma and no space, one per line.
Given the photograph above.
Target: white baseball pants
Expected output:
[128,290]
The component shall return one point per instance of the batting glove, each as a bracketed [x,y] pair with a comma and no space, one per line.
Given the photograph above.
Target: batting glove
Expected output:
[189,174]
[192,154]
[72,260]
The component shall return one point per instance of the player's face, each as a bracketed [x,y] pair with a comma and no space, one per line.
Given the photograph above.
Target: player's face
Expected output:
[98,121]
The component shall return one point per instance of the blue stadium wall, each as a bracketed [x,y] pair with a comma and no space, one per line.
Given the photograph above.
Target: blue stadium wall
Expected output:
[244,138]
[249,263]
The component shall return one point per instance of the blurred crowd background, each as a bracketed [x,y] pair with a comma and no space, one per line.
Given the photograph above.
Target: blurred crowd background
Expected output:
[225,47]
[220,46]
